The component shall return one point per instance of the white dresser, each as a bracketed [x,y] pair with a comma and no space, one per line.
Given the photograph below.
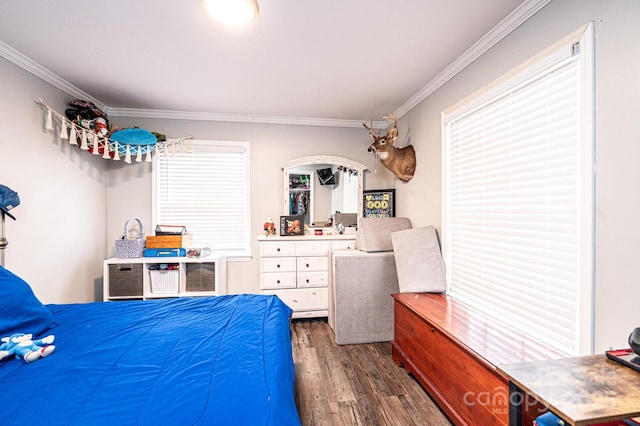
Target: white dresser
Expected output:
[296,269]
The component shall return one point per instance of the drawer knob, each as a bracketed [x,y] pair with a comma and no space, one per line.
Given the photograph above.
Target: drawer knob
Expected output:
[307,265]
[278,265]
[307,280]
[278,282]
[278,249]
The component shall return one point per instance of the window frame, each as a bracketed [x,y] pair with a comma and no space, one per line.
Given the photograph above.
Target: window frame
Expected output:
[192,146]
[583,39]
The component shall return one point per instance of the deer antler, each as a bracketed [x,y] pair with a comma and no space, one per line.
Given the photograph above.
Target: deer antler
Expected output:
[370,128]
[393,118]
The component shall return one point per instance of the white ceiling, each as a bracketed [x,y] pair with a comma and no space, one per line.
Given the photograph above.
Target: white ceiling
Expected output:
[305,60]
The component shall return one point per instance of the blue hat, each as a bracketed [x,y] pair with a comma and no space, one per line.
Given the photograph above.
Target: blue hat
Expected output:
[8,200]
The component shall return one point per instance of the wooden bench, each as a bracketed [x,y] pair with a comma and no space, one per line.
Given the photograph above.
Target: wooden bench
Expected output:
[452,350]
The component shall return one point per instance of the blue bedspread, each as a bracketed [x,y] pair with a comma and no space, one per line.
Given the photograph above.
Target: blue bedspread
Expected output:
[214,361]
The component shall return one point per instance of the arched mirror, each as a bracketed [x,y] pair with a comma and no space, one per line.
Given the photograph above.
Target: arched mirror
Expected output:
[319,186]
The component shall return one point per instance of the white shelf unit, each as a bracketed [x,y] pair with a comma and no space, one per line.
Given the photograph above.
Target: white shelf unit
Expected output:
[130,279]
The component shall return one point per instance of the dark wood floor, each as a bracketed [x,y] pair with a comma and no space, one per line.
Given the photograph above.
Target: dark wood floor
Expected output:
[354,384]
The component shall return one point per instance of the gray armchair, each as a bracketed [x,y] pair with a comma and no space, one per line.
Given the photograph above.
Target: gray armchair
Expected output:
[362,281]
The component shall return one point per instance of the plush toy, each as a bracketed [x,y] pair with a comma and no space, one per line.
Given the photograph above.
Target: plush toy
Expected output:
[98,125]
[22,346]
[85,110]
[88,116]
[269,227]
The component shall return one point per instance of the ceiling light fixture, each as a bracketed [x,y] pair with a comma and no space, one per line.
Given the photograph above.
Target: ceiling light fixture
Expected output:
[233,13]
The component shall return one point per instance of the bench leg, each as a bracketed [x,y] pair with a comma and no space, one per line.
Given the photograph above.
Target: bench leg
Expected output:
[516,399]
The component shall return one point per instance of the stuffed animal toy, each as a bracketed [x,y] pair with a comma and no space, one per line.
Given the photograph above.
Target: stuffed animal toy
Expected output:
[98,125]
[22,346]
[86,115]
[85,110]
[269,227]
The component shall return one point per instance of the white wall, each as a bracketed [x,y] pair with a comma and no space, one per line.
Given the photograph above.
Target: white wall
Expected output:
[617,149]
[129,186]
[58,240]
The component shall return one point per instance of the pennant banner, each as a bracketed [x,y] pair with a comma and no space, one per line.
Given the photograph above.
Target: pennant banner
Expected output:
[88,140]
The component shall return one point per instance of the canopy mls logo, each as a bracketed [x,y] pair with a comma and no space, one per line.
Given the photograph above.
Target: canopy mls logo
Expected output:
[499,400]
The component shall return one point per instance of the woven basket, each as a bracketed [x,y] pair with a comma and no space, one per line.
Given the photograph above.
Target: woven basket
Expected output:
[131,247]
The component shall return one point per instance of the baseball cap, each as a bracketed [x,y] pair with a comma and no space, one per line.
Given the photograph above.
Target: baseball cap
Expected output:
[8,200]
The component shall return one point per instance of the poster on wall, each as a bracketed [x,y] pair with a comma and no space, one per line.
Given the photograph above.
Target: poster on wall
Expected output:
[379,203]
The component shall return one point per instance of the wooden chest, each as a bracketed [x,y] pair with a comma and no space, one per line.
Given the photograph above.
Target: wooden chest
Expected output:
[452,350]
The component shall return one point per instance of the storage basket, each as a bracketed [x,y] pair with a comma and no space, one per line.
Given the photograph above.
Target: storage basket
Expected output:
[130,247]
[164,282]
[200,277]
[125,280]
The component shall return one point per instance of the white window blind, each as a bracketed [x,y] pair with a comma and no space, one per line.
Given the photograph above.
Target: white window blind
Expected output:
[207,190]
[344,196]
[349,184]
[517,204]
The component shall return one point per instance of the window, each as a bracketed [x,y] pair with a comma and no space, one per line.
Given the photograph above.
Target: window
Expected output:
[346,193]
[518,198]
[207,190]
[350,192]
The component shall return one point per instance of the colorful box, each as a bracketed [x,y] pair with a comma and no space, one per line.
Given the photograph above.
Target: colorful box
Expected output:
[169,241]
[165,252]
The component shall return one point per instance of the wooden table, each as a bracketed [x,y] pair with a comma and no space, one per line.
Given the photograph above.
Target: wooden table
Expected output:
[582,390]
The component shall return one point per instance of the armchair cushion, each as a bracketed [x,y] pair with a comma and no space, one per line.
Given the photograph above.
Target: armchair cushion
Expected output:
[419,261]
[374,233]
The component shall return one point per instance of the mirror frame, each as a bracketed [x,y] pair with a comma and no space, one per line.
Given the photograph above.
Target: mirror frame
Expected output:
[321,159]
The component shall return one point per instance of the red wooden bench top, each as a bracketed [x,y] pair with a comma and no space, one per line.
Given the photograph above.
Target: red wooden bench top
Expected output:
[496,343]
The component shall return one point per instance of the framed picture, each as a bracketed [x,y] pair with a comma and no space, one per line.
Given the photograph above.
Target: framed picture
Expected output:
[379,203]
[291,225]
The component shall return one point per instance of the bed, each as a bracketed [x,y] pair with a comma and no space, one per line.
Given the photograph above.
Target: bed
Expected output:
[223,360]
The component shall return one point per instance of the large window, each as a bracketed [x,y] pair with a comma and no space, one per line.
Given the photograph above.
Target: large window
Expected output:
[207,190]
[518,197]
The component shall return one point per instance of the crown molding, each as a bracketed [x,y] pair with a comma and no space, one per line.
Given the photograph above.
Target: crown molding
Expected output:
[44,74]
[236,118]
[39,71]
[525,11]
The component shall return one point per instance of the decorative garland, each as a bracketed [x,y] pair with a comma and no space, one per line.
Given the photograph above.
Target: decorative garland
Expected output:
[91,141]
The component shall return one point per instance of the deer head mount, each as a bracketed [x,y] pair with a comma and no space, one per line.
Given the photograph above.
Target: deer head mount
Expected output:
[401,161]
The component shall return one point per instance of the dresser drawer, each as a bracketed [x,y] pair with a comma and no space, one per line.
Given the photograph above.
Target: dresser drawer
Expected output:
[278,264]
[274,280]
[278,248]
[313,279]
[343,245]
[313,248]
[307,264]
[305,299]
